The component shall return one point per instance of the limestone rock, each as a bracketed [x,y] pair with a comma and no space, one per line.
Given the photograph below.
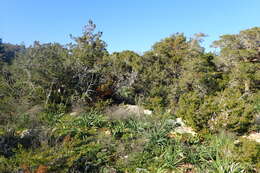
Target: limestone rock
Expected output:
[126,111]
[185,129]
[180,126]
[253,137]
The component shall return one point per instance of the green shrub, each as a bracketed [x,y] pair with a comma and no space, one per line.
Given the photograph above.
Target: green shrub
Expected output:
[250,151]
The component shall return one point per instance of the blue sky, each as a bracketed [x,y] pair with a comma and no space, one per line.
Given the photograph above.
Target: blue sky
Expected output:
[126,24]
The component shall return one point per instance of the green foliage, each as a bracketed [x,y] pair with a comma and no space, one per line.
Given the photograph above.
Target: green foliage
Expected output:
[8,52]
[161,68]
[189,104]
[250,150]
[79,126]
[131,145]
[1,52]
[200,74]
[240,54]
[41,84]
[121,73]
[237,111]
[89,48]
[54,74]
[228,110]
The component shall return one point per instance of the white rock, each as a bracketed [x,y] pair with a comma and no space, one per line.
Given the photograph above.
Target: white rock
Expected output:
[24,133]
[254,137]
[126,111]
[148,112]
[180,122]
[74,113]
[183,130]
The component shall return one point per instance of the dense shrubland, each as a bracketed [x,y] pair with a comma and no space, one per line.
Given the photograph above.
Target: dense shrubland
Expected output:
[217,94]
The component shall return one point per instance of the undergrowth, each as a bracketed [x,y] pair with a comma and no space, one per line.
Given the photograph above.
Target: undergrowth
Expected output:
[91,142]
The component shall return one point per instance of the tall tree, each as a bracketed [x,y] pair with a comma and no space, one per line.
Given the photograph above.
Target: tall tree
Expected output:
[89,48]
[1,52]
[120,71]
[240,55]
[163,66]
